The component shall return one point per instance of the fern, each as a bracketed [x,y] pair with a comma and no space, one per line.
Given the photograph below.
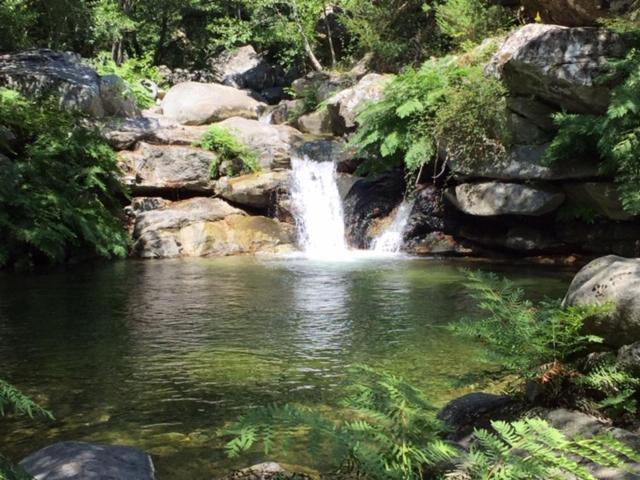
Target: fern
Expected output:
[238,157]
[618,388]
[386,430]
[531,448]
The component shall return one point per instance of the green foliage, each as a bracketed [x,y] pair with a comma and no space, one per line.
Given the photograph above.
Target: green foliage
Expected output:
[618,389]
[522,334]
[15,20]
[238,157]
[59,187]
[134,72]
[615,135]
[445,105]
[531,448]
[471,21]
[9,471]
[387,429]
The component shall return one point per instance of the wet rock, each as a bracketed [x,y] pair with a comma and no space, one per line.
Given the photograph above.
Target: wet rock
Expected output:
[275,144]
[154,168]
[193,103]
[344,106]
[610,280]
[496,198]
[330,150]
[437,243]
[560,65]
[38,73]
[243,67]
[86,461]
[256,190]
[207,227]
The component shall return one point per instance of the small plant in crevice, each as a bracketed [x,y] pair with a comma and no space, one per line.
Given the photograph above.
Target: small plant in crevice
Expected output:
[385,430]
[231,153]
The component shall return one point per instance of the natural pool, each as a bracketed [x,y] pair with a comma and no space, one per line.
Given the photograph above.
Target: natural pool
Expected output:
[159,354]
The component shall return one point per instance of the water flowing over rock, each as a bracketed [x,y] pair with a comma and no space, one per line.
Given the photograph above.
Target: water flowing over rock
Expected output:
[151,168]
[392,238]
[86,461]
[206,227]
[317,208]
[193,103]
[38,73]
[560,65]
[610,280]
[496,198]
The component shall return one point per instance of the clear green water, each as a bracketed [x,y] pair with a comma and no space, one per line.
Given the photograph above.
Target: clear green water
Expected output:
[160,354]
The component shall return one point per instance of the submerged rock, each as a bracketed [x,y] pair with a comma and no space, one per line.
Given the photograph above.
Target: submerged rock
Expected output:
[610,280]
[86,461]
[496,198]
[193,103]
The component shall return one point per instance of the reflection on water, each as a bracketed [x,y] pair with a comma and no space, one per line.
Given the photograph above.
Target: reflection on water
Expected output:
[160,354]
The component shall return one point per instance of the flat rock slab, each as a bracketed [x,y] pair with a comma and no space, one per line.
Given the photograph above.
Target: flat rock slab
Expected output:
[86,461]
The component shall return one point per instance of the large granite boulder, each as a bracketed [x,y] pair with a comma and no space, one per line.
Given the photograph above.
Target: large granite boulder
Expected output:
[496,198]
[575,13]
[629,358]
[243,67]
[86,461]
[256,190]
[316,123]
[523,162]
[560,65]
[344,106]
[193,103]
[274,144]
[150,168]
[206,227]
[37,73]
[125,133]
[610,280]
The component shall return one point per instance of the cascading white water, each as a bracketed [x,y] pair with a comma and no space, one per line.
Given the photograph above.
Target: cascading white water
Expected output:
[266,118]
[317,208]
[391,239]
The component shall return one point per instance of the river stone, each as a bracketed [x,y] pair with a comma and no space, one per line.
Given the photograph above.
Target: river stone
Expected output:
[193,103]
[497,198]
[257,190]
[275,144]
[243,67]
[524,162]
[560,65]
[264,471]
[316,123]
[602,197]
[345,105]
[610,280]
[125,133]
[86,461]
[168,167]
[37,73]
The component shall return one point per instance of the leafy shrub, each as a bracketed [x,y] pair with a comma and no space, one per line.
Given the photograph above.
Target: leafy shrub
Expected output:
[531,448]
[615,135]
[469,22]
[522,334]
[239,158]
[134,72]
[443,106]
[15,19]
[59,186]
[387,431]
[618,389]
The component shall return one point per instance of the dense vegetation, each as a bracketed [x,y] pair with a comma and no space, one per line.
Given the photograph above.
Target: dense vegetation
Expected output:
[59,186]
[233,157]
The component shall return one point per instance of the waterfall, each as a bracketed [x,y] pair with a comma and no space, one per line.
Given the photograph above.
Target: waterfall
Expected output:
[317,208]
[266,118]
[391,239]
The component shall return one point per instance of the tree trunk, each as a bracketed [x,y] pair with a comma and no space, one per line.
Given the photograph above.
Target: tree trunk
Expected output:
[305,41]
[327,26]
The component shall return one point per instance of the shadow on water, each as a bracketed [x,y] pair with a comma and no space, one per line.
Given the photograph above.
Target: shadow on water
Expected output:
[160,354]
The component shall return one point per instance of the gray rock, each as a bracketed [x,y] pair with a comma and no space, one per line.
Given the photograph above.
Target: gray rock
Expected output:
[560,65]
[321,85]
[496,198]
[258,190]
[243,67]
[525,132]
[629,357]
[286,111]
[168,167]
[524,162]
[602,197]
[37,73]
[193,103]
[275,144]
[207,227]
[264,471]
[316,123]
[85,461]
[610,280]
[536,112]
[345,105]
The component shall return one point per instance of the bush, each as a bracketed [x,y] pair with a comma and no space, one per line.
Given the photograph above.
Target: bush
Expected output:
[468,22]
[59,186]
[238,157]
[443,106]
